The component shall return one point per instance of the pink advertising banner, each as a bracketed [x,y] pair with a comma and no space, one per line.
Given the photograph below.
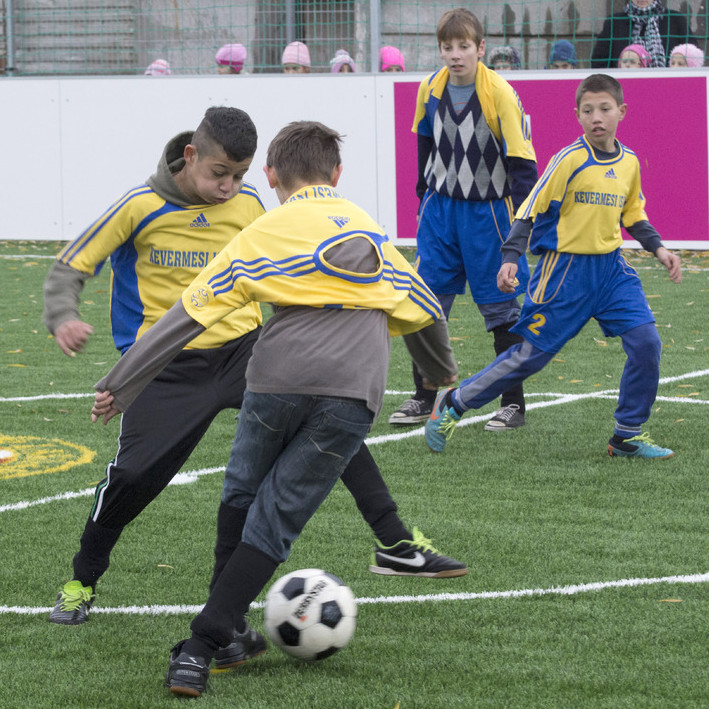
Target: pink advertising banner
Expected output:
[666,126]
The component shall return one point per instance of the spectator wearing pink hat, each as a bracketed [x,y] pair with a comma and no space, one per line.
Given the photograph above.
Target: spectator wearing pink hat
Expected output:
[686,55]
[634,56]
[296,59]
[342,63]
[160,67]
[391,59]
[230,58]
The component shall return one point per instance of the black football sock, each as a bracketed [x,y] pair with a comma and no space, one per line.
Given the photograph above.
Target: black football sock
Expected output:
[427,395]
[504,339]
[230,524]
[92,559]
[242,579]
[363,479]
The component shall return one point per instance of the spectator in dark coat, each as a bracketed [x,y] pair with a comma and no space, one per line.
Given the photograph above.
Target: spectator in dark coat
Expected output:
[645,22]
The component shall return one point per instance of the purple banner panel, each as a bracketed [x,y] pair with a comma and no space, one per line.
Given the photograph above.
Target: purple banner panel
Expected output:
[665,125]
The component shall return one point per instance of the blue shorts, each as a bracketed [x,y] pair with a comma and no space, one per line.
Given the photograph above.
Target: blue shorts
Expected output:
[459,240]
[567,290]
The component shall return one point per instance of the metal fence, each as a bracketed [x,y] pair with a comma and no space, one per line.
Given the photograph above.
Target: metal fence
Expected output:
[90,37]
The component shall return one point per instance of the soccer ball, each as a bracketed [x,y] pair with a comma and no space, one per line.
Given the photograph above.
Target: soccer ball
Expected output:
[310,614]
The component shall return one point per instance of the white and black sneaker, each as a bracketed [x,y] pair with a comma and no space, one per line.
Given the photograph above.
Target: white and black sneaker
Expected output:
[414,557]
[187,675]
[506,419]
[412,411]
[243,647]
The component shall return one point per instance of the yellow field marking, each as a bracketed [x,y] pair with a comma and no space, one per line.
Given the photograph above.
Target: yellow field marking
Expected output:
[40,456]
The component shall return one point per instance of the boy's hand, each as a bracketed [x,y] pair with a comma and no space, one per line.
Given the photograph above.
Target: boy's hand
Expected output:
[671,262]
[103,406]
[71,336]
[507,278]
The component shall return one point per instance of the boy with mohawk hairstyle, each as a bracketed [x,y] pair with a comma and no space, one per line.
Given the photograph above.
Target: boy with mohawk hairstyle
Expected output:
[317,375]
[572,220]
[476,166]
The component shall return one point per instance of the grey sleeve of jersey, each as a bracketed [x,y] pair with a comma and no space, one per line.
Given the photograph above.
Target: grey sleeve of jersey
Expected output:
[149,356]
[430,348]
[646,235]
[516,242]
[62,289]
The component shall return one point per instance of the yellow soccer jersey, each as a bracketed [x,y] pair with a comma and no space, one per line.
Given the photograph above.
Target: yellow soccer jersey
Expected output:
[578,203]
[282,259]
[156,249]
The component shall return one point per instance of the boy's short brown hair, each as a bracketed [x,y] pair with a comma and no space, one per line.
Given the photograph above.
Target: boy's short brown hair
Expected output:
[459,24]
[596,83]
[304,151]
[228,128]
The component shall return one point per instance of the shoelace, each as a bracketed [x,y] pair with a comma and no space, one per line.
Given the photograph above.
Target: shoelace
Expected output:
[71,603]
[642,438]
[447,425]
[508,412]
[422,542]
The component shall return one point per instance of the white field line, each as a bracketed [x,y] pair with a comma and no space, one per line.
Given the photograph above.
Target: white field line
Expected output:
[572,590]
[30,256]
[190,476]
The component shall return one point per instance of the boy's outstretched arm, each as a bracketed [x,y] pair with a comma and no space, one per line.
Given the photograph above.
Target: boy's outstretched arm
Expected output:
[671,262]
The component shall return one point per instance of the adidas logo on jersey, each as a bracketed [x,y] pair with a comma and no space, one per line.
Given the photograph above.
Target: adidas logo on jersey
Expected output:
[200,221]
[611,174]
[340,221]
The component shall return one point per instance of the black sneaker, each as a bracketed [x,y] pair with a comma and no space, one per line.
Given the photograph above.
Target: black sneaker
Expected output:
[414,557]
[186,675]
[244,646]
[412,411]
[505,419]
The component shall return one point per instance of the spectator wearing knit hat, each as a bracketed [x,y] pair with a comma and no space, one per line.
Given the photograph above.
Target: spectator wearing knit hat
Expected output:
[230,58]
[634,56]
[647,22]
[342,63]
[562,55]
[391,59]
[686,55]
[504,59]
[160,67]
[296,59]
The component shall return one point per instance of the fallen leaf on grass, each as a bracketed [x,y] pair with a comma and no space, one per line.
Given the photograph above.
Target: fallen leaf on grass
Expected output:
[14,351]
[670,600]
[679,420]
[16,365]
[575,381]
[165,566]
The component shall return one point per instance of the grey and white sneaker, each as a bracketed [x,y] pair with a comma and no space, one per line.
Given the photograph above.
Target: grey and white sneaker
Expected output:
[414,557]
[412,411]
[505,419]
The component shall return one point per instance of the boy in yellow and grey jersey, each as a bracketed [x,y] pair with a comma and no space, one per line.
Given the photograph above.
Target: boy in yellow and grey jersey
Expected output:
[317,376]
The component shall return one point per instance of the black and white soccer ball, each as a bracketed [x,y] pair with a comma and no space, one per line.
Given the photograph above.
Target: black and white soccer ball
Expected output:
[310,614]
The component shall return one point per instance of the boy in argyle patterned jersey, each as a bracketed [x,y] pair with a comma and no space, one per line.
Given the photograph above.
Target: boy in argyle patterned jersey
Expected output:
[476,166]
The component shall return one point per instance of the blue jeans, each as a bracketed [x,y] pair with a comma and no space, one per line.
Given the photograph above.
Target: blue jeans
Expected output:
[288,452]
